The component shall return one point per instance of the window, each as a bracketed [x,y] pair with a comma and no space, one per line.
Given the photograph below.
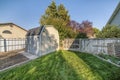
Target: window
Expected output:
[7,32]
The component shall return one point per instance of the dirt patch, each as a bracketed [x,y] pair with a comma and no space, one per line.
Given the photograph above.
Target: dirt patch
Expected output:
[11,58]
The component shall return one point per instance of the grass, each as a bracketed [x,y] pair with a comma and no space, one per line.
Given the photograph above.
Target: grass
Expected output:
[106,70]
[63,65]
[110,57]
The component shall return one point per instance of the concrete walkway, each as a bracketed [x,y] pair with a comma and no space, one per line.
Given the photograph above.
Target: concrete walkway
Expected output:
[28,55]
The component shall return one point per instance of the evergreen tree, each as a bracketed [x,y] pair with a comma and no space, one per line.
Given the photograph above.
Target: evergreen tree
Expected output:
[50,14]
[59,18]
[63,14]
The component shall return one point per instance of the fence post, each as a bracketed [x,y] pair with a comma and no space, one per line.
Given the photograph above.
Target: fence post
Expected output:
[80,45]
[5,45]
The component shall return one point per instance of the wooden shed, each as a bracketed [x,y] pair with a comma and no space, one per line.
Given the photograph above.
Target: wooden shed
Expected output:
[42,40]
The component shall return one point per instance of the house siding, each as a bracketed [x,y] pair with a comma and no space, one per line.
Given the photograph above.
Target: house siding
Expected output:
[17,32]
[116,19]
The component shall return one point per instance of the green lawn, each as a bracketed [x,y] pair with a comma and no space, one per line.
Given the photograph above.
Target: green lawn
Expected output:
[64,65]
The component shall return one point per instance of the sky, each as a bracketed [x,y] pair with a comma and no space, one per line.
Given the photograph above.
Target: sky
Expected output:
[27,13]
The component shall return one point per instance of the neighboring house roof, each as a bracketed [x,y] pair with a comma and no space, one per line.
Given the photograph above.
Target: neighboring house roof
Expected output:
[34,31]
[12,24]
[114,14]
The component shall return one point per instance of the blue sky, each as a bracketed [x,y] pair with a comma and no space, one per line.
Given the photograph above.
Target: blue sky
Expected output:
[27,13]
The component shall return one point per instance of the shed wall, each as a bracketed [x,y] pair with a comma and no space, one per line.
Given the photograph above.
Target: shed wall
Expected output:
[46,42]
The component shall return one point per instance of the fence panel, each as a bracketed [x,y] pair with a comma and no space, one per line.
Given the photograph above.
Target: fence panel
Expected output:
[11,44]
[71,44]
[94,46]
[1,45]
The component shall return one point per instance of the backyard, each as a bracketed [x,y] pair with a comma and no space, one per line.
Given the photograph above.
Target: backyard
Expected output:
[63,65]
[59,40]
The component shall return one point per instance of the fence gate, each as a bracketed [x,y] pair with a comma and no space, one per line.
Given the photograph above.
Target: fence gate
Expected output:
[71,44]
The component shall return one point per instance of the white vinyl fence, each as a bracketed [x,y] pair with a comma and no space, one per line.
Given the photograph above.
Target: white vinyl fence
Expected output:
[95,46]
[11,44]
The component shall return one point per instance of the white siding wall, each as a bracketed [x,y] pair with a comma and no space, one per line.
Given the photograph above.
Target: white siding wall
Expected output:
[116,20]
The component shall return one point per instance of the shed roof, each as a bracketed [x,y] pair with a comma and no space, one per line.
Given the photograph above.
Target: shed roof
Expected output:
[114,14]
[34,31]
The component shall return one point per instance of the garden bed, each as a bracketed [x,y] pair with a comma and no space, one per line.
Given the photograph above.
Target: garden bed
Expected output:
[11,58]
[110,58]
[7,62]
[10,53]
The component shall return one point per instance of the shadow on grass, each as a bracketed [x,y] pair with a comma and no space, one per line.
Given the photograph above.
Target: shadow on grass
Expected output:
[80,67]
[106,70]
[49,67]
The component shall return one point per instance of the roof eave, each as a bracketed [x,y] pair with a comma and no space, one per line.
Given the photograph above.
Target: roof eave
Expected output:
[12,24]
[114,14]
